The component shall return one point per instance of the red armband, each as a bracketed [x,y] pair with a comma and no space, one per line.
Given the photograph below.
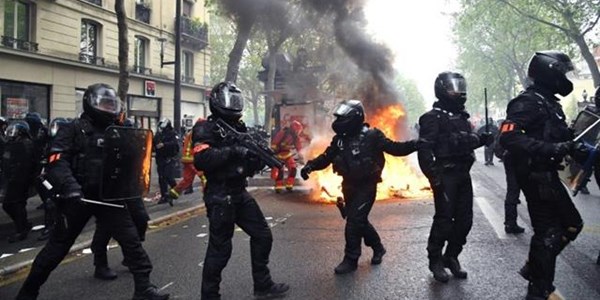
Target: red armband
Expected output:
[200,147]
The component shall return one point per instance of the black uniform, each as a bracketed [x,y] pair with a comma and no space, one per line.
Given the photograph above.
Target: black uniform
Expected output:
[226,167]
[536,133]
[446,159]
[74,169]
[166,158]
[18,163]
[359,159]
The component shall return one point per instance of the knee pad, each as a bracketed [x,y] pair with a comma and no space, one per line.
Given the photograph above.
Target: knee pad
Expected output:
[554,240]
[572,232]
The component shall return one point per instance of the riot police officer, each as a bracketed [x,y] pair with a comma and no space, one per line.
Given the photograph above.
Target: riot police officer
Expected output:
[446,159]
[74,164]
[356,152]
[102,235]
[536,133]
[166,147]
[226,166]
[18,164]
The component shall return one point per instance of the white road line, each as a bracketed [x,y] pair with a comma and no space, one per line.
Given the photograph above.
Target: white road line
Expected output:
[495,219]
[166,286]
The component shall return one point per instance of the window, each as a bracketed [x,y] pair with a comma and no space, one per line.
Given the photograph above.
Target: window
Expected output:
[186,9]
[142,11]
[88,47]
[188,66]
[140,52]
[17,26]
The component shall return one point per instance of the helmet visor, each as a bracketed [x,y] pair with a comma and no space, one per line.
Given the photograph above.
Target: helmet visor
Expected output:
[15,129]
[342,109]
[106,100]
[232,100]
[455,86]
[54,129]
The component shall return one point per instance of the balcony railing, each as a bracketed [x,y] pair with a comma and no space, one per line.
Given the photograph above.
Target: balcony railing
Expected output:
[142,12]
[194,33]
[142,70]
[187,79]
[96,2]
[91,59]
[11,42]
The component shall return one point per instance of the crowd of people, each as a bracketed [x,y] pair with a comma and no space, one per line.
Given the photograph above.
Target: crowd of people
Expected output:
[531,141]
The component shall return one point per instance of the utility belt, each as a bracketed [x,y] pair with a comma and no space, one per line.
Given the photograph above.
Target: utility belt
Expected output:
[231,186]
[456,164]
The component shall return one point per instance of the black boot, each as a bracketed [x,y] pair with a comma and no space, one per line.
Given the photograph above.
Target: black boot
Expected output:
[105,273]
[144,290]
[150,293]
[276,290]
[525,271]
[534,293]
[453,264]
[436,266]
[378,255]
[23,295]
[514,229]
[346,266]
[17,237]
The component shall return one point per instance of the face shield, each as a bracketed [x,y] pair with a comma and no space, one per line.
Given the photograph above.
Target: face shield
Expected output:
[232,100]
[456,86]
[342,109]
[107,101]
[16,129]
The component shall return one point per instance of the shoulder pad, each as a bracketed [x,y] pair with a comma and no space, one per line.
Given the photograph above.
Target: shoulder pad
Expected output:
[203,132]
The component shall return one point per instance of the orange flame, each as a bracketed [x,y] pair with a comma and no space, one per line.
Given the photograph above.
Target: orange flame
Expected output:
[399,178]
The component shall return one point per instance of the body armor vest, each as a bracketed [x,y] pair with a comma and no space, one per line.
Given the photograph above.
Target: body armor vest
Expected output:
[88,162]
[357,158]
[454,141]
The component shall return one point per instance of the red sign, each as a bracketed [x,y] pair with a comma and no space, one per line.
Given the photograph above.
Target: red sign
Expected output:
[149,88]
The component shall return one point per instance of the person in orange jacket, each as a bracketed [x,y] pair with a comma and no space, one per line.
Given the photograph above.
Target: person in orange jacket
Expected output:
[189,172]
[282,144]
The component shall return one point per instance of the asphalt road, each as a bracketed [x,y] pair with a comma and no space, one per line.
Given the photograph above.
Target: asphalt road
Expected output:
[309,244]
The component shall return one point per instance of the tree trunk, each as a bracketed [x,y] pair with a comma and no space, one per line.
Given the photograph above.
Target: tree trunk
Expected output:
[123,50]
[255,107]
[589,58]
[270,88]
[235,56]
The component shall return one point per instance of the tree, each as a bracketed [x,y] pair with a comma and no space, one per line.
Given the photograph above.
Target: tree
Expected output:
[123,49]
[412,99]
[495,47]
[574,18]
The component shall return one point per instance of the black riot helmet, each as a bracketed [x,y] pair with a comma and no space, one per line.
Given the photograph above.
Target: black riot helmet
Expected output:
[17,129]
[597,97]
[56,124]
[349,117]
[451,89]
[164,123]
[226,101]
[101,103]
[3,124]
[548,70]
[34,120]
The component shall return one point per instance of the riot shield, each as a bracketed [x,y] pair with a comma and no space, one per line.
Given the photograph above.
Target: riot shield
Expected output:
[576,172]
[127,161]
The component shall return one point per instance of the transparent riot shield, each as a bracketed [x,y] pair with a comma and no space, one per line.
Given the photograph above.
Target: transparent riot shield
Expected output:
[127,161]
[576,172]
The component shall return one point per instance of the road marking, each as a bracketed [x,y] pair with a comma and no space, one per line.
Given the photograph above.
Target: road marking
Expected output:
[494,218]
[4,255]
[166,286]
[201,235]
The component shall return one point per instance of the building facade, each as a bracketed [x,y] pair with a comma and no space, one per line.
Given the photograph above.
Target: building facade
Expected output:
[51,50]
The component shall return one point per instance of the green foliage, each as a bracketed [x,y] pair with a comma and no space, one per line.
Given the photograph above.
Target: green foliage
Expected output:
[413,101]
[495,45]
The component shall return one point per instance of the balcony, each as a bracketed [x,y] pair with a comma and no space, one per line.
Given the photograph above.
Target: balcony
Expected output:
[91,59]
[143,12]
[194,34]
[11,42]
[96,2]
[187,79]
[142,70]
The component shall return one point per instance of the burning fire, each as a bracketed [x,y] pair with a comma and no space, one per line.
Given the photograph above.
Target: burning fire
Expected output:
[399,178]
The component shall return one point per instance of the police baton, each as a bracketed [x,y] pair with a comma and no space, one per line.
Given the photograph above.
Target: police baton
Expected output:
[487,122]
[102,203]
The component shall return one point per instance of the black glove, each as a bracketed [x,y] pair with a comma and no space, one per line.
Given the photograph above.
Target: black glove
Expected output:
[305,172]
[486,138]
[562,149]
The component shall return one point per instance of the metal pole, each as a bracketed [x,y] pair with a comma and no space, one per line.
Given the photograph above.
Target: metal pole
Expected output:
[487,123]
[177,94]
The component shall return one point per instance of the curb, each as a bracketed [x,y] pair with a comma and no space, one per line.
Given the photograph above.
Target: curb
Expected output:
[12,269]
